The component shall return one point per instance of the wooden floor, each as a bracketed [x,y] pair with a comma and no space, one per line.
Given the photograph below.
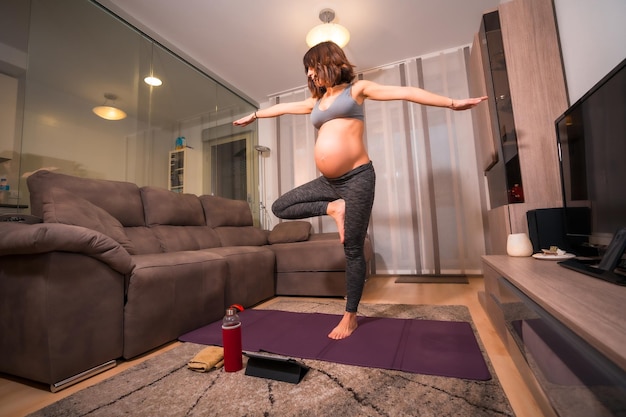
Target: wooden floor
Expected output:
[19,398]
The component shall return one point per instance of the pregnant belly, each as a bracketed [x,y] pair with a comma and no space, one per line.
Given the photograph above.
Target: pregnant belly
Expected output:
[334,156]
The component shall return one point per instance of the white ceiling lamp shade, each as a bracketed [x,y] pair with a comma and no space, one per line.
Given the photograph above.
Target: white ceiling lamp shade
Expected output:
[109,112]
[328,31]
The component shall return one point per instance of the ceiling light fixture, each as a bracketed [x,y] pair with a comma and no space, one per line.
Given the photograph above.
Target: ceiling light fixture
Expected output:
[328,31]
[151,79]
[109,112]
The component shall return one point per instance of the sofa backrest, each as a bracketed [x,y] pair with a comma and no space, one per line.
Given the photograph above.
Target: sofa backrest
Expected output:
[120,199]
[232,220]
[220,211]
[144,220]
[177,220]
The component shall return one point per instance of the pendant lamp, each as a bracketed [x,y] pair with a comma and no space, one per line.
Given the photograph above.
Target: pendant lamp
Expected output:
[328,31]
[109,112]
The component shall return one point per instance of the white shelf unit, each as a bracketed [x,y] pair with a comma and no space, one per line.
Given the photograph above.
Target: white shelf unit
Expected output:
[185,171]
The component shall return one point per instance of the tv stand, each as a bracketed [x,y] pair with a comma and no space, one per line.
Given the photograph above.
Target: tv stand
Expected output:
[565,332]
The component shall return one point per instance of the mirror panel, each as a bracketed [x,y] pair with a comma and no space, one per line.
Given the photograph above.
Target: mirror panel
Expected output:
[64,57]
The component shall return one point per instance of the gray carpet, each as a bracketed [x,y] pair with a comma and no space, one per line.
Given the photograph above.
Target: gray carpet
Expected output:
[163,386]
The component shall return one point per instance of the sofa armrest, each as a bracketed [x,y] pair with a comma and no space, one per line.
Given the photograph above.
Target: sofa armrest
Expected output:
[22,239]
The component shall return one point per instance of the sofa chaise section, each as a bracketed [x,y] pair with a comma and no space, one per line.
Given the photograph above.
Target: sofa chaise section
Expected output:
[313,267]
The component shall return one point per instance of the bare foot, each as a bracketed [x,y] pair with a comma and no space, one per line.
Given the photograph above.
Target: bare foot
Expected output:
[346,326]
[337,210]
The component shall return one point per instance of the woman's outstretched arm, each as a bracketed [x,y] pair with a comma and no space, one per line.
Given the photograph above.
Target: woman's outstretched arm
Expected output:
[374,91]
[297,107]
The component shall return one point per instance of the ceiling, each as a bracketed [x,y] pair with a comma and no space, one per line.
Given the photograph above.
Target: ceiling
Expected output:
[256,46]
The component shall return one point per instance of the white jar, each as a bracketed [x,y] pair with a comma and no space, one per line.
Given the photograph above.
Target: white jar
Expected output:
[518,244]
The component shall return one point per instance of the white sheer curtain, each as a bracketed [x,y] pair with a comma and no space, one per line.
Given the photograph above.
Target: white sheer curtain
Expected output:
[426,217]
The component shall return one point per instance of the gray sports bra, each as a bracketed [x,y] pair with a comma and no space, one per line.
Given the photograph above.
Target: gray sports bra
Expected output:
[344,106]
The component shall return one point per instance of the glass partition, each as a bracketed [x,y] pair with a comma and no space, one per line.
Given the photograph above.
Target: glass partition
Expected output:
[68,56]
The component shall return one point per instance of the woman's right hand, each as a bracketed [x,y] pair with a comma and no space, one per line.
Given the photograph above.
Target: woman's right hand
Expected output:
[244,121]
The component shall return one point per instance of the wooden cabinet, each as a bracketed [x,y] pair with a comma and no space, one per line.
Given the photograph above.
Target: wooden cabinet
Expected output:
[536,97]
[564,331]
[538,93]
[185,171]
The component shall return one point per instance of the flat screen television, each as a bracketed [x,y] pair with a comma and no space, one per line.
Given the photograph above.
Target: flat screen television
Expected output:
[591,139]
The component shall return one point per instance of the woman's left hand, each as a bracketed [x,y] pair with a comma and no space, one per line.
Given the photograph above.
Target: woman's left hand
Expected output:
[467,103]
[244,121]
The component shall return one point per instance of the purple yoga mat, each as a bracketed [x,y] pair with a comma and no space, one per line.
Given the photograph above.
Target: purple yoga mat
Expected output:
[443,348]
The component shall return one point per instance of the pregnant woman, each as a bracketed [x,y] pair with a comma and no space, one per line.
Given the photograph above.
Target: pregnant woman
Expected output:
[345,191]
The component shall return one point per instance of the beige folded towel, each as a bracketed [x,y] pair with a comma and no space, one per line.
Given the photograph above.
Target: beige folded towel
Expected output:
[211,357]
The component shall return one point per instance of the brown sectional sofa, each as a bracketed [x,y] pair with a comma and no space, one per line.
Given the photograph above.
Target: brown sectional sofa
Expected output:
[115,270]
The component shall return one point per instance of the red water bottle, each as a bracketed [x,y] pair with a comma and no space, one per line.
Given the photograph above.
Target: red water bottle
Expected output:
[231,339]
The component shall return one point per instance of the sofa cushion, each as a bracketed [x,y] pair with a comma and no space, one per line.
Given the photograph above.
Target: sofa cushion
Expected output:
[221,211]
[286,232]
[120,199]
[170,294]
[167,207]
[250,274]
[185,238]
[144,239]
[242,236]
[322,252]
[62,206]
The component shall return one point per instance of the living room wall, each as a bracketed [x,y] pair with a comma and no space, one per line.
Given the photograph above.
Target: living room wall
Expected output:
[592,40]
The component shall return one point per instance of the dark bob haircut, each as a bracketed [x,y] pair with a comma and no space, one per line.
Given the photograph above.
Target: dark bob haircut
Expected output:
[331,65]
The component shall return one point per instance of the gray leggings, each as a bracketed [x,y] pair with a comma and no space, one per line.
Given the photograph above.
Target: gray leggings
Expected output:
[356,188]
